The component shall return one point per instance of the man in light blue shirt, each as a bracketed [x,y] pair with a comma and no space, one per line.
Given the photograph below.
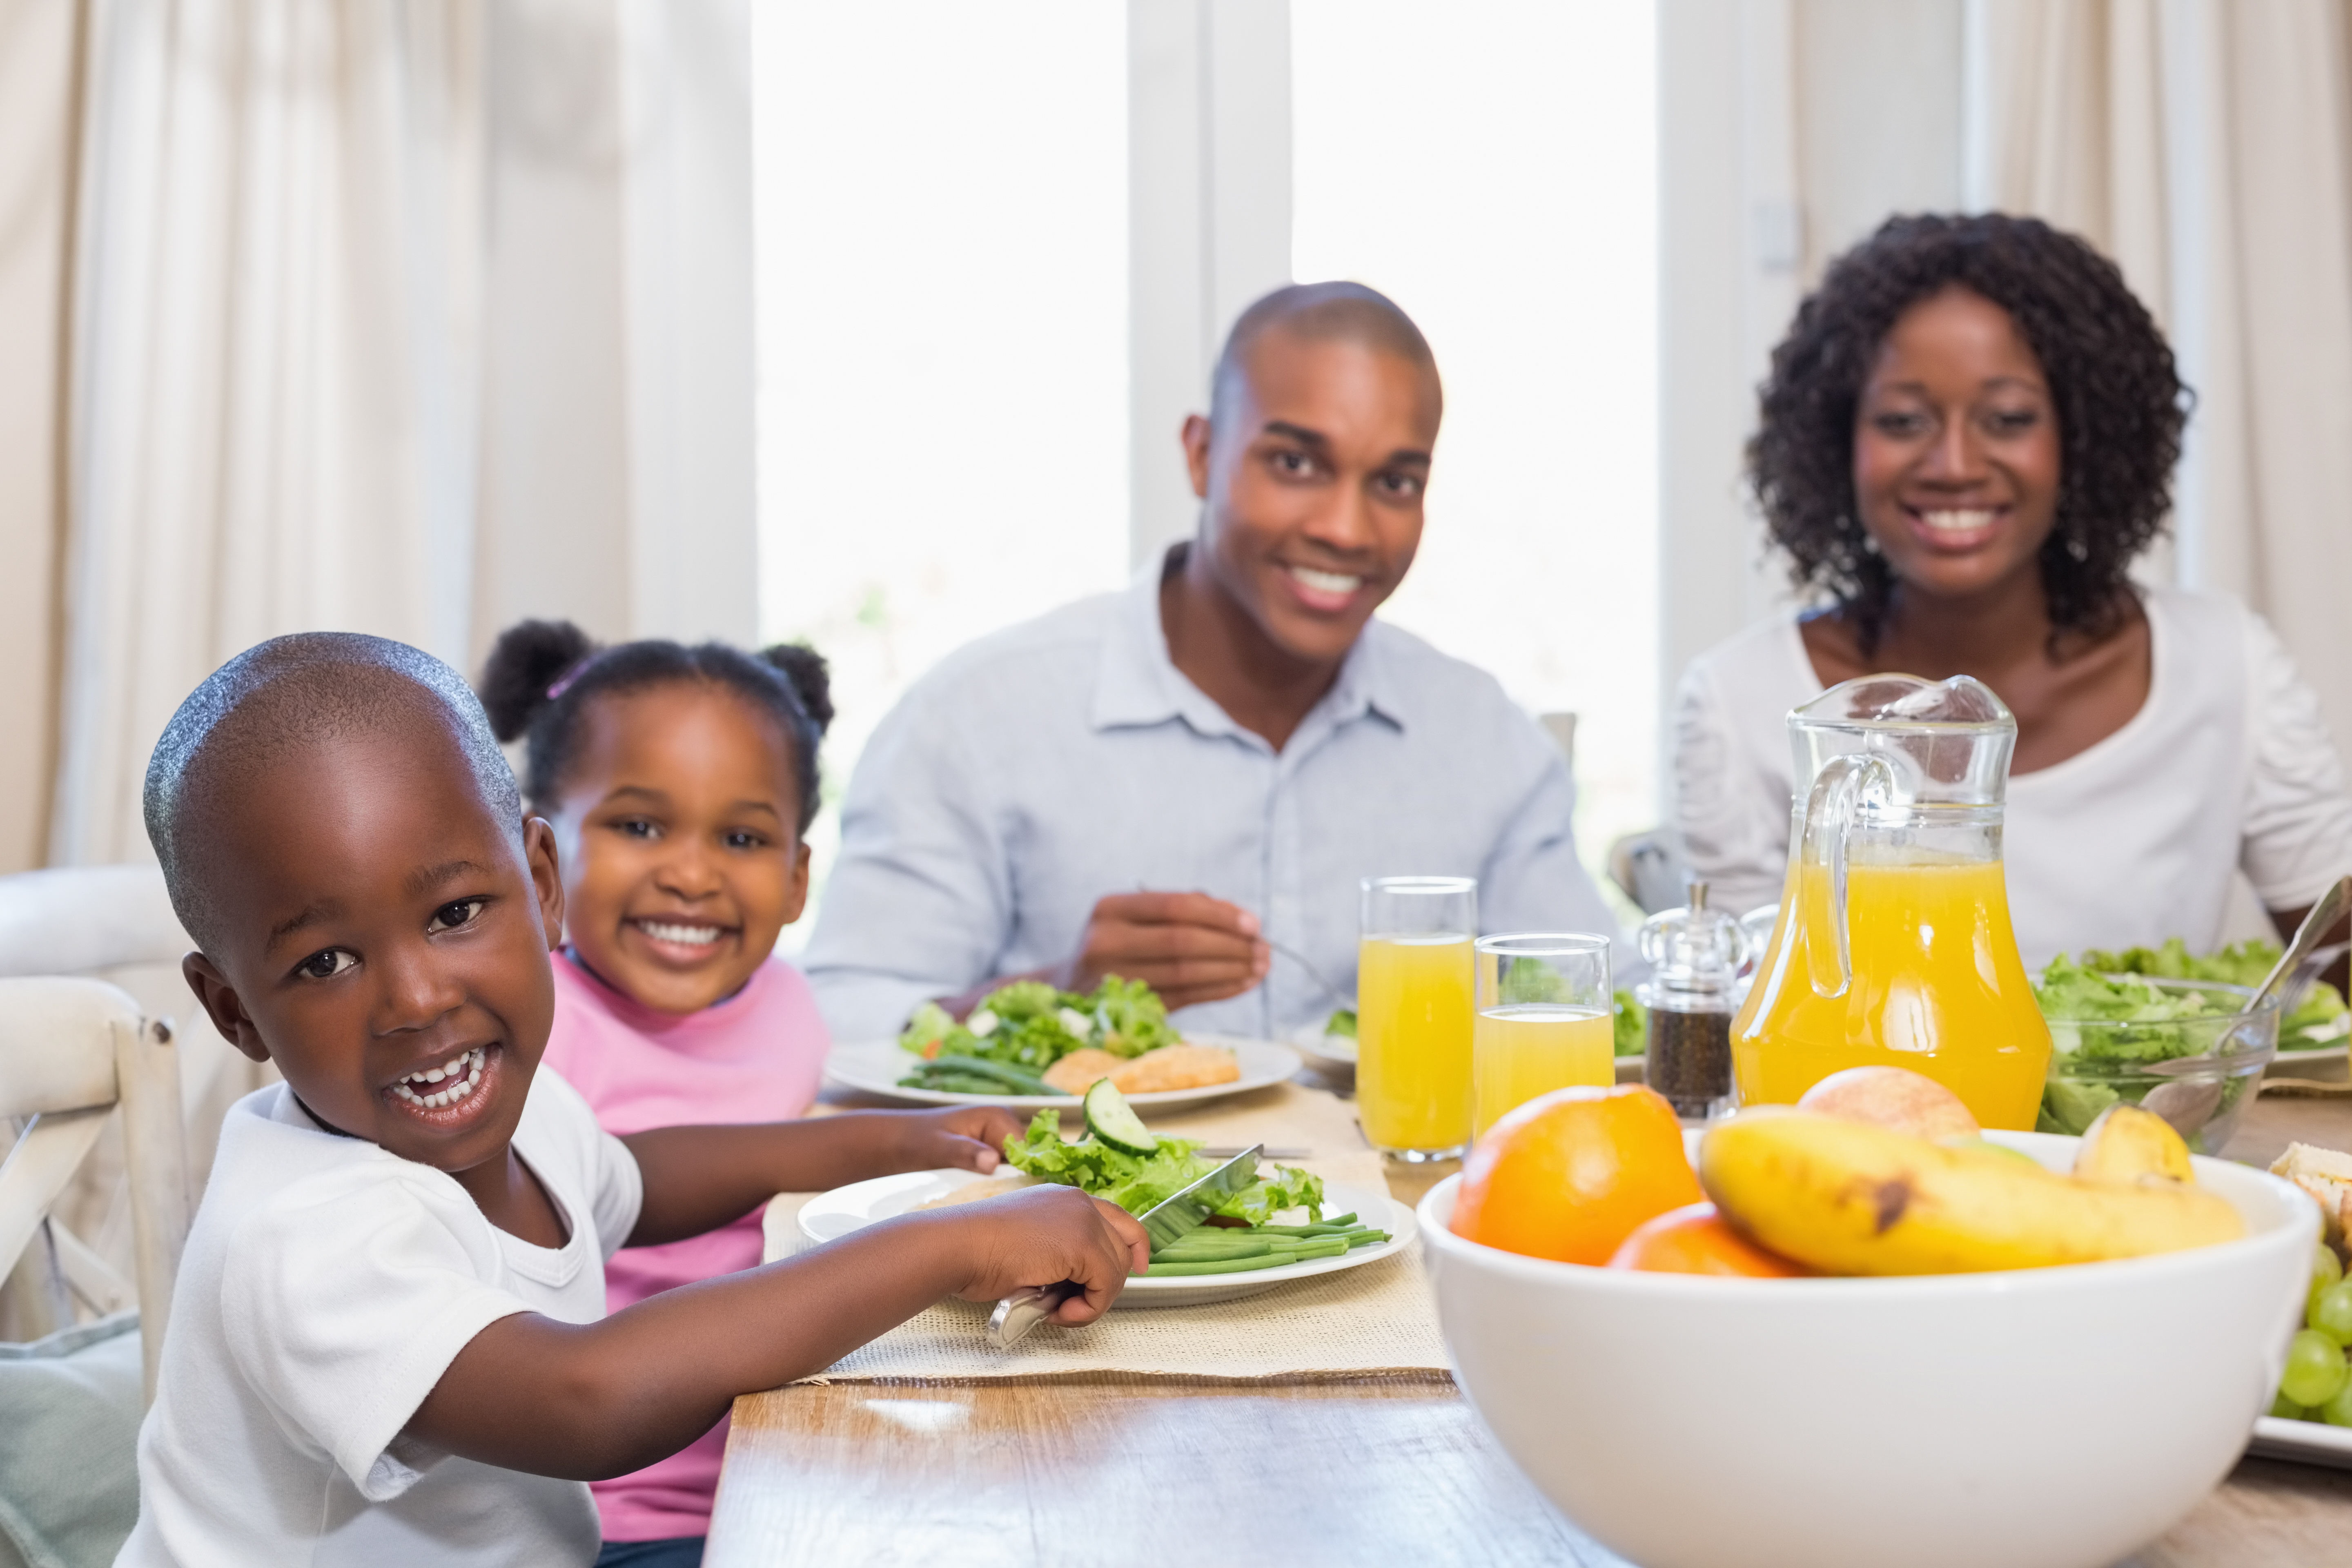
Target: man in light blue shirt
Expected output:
[1185,783]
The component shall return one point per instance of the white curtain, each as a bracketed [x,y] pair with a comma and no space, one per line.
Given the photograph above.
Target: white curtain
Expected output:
[409,317]
[2207,145]
[275,347]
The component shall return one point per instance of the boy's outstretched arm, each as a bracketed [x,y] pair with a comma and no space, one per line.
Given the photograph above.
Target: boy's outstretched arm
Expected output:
[592,1400]
[699,1178]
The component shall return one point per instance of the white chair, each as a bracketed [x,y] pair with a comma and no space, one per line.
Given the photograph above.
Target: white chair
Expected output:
[116,925]
[71,1052]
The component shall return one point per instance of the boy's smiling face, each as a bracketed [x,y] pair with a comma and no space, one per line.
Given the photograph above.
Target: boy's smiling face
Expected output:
[377,923]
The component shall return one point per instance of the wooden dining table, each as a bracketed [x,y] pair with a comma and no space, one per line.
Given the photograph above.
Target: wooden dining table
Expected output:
[1117,1469]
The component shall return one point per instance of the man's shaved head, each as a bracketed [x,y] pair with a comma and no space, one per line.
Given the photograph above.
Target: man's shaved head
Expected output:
[299,693]
[1318,312]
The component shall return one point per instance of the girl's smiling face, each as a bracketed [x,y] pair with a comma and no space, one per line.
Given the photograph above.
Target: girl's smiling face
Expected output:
[679,834]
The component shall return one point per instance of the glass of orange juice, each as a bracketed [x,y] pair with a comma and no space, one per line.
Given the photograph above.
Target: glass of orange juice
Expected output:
[1413,1014]
[1544,1021]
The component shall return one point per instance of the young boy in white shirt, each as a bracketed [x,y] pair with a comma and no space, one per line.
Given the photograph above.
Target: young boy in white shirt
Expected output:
[388,1343]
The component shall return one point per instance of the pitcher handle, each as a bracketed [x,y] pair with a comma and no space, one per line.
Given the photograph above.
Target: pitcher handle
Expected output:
[1838,795]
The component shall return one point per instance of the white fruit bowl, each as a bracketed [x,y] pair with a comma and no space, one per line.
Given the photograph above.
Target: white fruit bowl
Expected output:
[2043,1418]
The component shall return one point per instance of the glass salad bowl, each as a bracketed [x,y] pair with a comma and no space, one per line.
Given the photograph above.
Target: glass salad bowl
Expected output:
[2179,1047]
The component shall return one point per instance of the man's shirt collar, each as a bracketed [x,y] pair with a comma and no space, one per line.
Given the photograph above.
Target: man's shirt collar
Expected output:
[1139,684]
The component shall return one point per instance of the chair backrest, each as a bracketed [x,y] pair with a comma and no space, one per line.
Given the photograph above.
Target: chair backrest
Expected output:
[115,923]
[1561,728]
[70,1052]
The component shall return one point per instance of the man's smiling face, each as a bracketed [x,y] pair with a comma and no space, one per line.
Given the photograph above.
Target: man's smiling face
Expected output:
[382,937]
[1314,478]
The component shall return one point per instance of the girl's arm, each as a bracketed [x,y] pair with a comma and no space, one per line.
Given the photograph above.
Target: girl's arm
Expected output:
[586,1401]
[699,1178]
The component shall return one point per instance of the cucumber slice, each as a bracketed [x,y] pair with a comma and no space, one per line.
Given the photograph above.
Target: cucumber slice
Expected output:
[1112,1119]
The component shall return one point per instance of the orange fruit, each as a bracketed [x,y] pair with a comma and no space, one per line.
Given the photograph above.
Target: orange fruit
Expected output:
[1570,1175]
[1697,1240]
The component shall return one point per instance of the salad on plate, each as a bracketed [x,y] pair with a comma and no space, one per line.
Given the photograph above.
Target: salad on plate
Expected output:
[1122,1160]
[1030,1038]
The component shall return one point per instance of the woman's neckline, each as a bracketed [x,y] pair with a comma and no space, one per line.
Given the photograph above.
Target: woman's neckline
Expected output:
[2158,662]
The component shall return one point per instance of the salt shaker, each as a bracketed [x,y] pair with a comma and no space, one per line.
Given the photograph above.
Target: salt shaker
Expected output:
[1696,954]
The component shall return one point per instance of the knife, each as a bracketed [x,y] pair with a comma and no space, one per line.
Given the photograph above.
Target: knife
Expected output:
[1167,1221]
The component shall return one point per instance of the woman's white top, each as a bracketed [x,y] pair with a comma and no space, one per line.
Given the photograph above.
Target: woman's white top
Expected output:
[2227,765]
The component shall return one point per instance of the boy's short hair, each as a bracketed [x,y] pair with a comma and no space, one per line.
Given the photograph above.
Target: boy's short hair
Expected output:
[295,692]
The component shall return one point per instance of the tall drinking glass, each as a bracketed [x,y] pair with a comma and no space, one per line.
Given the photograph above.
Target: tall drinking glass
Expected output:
[1544,1021]
[1413,1014]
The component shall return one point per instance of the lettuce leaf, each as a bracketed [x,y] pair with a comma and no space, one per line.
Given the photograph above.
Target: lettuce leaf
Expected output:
[1136,1182]
[1128,1016]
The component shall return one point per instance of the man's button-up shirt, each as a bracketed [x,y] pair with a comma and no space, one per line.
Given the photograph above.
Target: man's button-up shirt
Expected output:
[1045,767]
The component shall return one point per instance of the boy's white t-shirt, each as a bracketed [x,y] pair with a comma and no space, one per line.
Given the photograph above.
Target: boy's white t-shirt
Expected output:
[326,1287]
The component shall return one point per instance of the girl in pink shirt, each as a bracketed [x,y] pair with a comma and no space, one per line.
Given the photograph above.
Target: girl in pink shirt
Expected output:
[680,781]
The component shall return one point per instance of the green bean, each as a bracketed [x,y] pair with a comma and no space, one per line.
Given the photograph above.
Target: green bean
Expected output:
[1012,1077]
[1226,1266]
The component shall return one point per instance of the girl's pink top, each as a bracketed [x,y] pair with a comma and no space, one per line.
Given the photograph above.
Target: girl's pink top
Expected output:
[756,1056]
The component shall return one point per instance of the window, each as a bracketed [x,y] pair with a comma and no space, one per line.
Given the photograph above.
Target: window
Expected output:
[942,228]
[941,219]
[1493,169]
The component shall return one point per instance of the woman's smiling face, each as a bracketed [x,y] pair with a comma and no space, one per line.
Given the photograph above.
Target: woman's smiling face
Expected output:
[1956,447]
[679,832]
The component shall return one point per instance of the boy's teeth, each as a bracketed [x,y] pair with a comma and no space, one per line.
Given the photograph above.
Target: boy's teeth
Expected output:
[689,936]
[1955,521]
[459,1078]
[1328,582]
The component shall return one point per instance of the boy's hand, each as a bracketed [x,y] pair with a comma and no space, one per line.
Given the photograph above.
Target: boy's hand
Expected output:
[969,1136]
[1043,1236]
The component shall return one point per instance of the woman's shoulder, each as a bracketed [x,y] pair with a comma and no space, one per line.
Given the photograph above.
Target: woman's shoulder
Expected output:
[1762,668]
[2205,618]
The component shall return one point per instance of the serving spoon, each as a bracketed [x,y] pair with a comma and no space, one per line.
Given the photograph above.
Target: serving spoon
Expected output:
[2284,975]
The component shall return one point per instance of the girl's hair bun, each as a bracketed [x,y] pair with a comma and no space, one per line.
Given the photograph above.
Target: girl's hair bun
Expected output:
[809,676]
[528,657]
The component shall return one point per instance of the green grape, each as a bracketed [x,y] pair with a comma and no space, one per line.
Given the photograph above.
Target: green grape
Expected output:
[2316,1371]
[2331,1311]
[2287,1409]
[2325,1268]
[2337,1411]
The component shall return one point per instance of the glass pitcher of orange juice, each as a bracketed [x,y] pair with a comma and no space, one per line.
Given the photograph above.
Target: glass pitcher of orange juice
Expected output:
[1894,943]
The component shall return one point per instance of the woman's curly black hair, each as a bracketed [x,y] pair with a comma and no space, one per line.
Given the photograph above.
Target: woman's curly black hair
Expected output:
[542,675]
[2120,406]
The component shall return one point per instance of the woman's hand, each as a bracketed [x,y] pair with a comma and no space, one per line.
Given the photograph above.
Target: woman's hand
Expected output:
[1045,1236]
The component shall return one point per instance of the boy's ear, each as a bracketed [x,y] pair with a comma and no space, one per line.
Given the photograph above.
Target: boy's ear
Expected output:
[546,876]
[222,1005]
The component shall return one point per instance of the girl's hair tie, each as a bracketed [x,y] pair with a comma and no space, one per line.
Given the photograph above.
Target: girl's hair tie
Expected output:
[563,682]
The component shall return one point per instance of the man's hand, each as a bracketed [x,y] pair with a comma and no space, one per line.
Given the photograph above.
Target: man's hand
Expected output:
[1043,1235]
[970,1136]
[1189,947]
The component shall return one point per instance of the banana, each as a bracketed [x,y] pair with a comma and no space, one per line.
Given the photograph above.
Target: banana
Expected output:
[1849,1198]
[2128,1144]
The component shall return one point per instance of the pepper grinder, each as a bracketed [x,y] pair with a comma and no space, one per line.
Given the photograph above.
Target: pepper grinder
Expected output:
[1695,954]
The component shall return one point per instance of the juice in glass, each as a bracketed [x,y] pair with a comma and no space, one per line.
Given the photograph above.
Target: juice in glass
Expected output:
[1412,1042]
[1938,987]
[1521,1050]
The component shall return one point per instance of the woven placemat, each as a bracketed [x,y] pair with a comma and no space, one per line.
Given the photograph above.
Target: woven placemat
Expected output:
[1376,1320]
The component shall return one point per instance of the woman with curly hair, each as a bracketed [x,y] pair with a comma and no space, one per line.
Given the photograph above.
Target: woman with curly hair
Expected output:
[1966,438]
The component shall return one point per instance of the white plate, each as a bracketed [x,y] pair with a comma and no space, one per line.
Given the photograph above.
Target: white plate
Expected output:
[1331,1053]
[833,1214]
[876,1068]
[2309,1442]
